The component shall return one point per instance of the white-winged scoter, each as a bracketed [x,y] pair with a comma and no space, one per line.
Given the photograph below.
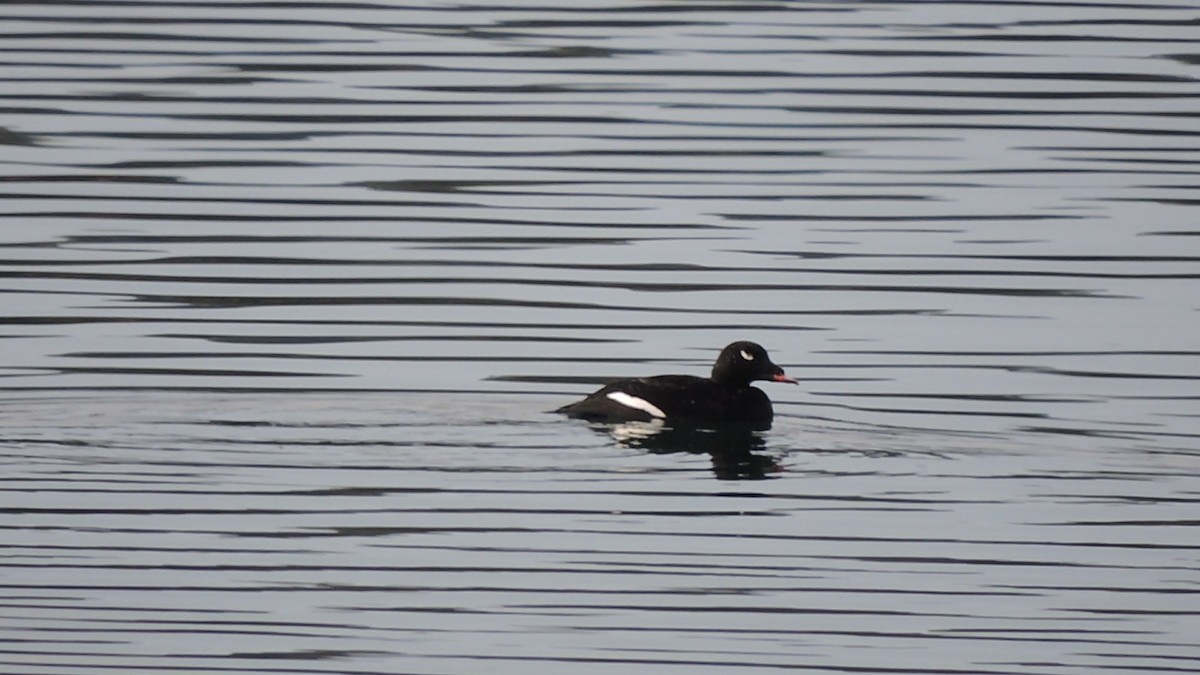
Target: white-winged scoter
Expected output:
[724,398]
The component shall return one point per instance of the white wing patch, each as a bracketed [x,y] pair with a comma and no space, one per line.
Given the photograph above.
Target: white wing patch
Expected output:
[636,403]
[747,355]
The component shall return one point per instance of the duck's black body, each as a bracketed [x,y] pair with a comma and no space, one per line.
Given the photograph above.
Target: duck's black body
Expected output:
[724,398]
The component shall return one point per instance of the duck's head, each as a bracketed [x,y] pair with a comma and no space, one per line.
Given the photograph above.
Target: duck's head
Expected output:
[744,362]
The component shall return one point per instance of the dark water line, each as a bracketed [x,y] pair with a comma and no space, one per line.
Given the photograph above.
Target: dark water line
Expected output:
[229,302]
[496,282]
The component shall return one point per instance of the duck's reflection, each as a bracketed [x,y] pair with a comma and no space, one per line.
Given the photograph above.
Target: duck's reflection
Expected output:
[733,448]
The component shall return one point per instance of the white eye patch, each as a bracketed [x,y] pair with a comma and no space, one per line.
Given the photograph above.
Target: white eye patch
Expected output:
[636,403]
[747,355]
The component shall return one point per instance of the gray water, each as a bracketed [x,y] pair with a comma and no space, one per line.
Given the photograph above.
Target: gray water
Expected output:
[289,288]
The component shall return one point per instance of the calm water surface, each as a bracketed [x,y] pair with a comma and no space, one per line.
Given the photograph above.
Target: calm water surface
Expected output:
[289,288]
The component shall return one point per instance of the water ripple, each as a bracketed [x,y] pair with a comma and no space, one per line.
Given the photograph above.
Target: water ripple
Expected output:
[287,296]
